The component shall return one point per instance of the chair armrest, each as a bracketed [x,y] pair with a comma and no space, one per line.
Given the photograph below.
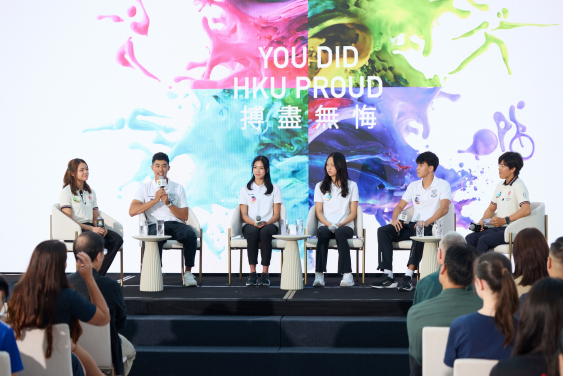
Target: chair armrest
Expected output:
[236,223]
[312,222]
[64,228]
[536,221]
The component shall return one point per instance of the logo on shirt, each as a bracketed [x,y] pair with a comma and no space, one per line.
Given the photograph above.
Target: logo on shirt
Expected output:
[90,198]
[328,196]
[434,193]
[498,194]
[252,199]
[417,199]
[75,199]
[509,192]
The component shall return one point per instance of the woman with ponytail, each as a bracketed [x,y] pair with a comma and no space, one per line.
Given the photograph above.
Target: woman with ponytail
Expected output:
[43,298]
[78,201]
[260,204]
[488,333]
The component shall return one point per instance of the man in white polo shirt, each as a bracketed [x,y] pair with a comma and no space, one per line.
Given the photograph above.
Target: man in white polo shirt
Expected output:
[168,204]
[510,201]
[431,200]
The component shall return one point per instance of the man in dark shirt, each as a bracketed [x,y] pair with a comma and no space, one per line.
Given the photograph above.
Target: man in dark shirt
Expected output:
[93,245]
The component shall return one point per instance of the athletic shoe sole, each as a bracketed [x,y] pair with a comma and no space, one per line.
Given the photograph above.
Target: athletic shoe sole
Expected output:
[405,289]
[345,284]
[318,284]
[251,284]
[391,286]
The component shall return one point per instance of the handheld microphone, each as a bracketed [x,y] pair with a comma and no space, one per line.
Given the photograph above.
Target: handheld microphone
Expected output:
[161,182]
[258,220]
[475,227]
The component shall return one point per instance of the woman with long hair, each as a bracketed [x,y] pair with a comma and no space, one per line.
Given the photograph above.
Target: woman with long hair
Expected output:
[260,204]
[336,206]
[78,201]
[43,298]
[539,329]
[530,251]
[489,332]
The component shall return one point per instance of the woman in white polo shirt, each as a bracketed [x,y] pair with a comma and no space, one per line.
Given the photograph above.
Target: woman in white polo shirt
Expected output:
[260,197]
[336,205]
[78,201]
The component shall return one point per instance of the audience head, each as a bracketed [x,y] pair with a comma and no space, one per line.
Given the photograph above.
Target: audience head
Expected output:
[541,321]
[160,164]
[35,296]
[493,280]
[448,240]
[261,170]
[76,170]
[457,270]
[93,245]
[426,162]
[530,252]
[510,162]
[555,259]
[4,291]
[335,168]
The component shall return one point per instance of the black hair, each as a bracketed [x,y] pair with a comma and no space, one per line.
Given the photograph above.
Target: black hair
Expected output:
[512,160]
[556,249]
[160,156]
[4,287]
[341,174]
[429,158]
[267,178]
[90,243]
[459,264]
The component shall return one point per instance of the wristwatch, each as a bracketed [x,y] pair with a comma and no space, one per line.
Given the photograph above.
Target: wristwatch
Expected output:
[507,220]
[169,205]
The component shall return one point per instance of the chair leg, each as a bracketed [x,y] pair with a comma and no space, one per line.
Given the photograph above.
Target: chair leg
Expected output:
[121,262]
[200,260]
[364,260]
[281,267]
[510,246]
[229,246]
[240,266]
[182,264]
[357,265]
[305,262]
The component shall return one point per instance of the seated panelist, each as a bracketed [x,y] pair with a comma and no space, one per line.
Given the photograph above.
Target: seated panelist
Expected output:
[167,203]
[260,204]
[510,201]
[79,202]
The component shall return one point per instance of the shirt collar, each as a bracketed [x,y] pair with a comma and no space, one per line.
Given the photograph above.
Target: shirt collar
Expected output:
[510,182]
[256,186]
[433,184]
[454,291]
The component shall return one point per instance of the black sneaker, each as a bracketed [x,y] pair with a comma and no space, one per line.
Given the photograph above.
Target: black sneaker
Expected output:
[252,280]
[264,280]
[406,284]
[384,282]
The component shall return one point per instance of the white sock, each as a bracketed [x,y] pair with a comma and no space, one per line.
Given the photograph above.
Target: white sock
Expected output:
[388,272]
[320,275]
[409,273]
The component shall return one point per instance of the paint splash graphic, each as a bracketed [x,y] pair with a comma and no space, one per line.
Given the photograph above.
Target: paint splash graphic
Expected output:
[216,126]
[382,29]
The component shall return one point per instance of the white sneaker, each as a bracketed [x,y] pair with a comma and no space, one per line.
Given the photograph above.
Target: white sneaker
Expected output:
[189,279]
[319,280]
[347,280]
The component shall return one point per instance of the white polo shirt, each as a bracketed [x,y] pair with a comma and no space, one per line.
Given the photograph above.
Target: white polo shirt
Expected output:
[258,202]
[508,198]
[426,202]
[82,204]
[176,195]
[335,207]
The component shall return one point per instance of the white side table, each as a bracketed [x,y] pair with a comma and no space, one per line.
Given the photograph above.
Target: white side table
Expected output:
[292,275]
[429,262]
[151,274]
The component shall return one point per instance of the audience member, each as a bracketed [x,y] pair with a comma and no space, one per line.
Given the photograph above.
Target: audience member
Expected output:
[43,298]
[489,332]
[539,329]
[560,352]
[555,259]
[7,338]
[454,301]
[530,252]
[429,287]
[4,294]
[92,244]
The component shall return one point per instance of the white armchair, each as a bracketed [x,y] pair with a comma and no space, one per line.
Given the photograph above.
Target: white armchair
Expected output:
[237,241]
[96,341]
[473,367]
[434,342]
[66,230]
[173,244]
[536,219]
[32,346]
[357,242]
[5,364]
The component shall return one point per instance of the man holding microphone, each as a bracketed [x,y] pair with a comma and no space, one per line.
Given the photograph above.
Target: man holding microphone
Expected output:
[162,199]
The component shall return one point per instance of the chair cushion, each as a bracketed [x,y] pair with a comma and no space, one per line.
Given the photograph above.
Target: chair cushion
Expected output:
[241,243]
[405,244]
[353,243]
[173,244]
[503,248]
